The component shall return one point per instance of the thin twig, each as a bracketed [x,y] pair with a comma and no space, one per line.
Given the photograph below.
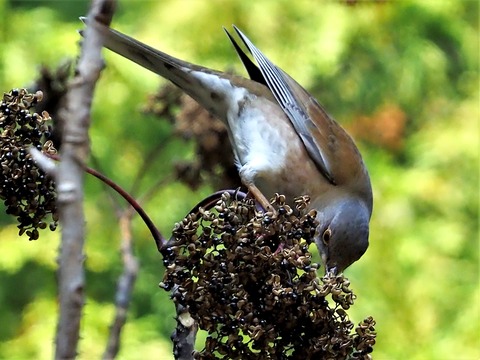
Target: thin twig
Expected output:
[69,181]
[124,286]
[157,236]
[160,241]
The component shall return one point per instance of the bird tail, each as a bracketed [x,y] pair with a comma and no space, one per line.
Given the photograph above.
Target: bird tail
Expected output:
[178,71]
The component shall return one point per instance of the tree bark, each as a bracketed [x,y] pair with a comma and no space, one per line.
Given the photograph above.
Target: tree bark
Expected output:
[70,180]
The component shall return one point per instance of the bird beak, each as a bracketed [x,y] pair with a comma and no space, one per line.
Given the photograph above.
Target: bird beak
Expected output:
[325,264]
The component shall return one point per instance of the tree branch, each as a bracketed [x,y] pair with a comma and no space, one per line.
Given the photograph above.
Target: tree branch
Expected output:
[70,179]
[124,286]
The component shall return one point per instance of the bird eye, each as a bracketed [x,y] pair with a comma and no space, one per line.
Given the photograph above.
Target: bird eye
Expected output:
[327,234]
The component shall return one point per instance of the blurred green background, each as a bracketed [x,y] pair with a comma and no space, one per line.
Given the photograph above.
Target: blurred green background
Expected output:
[401,76]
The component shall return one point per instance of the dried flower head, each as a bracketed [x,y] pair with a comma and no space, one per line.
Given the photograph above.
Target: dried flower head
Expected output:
[247,277]
[27,192]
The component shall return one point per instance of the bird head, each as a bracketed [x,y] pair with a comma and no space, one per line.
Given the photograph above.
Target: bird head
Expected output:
[342,235]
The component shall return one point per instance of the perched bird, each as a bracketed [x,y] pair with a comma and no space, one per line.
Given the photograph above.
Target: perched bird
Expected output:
[282,138]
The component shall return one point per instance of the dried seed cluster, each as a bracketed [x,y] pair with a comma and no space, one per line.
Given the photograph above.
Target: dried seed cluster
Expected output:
[26,191]
[248,279]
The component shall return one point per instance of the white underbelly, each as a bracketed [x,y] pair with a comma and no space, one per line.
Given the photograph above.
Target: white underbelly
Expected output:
[268,151]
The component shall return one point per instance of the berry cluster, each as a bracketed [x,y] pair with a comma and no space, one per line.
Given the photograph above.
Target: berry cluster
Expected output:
[28,193]
[248,279]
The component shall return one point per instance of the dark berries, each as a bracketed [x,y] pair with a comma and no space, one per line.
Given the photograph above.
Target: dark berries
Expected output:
[28,194]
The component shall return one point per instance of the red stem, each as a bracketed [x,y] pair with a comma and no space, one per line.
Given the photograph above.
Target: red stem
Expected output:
[157,236]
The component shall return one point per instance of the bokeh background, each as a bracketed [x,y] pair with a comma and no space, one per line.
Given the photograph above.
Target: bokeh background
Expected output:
[401,76]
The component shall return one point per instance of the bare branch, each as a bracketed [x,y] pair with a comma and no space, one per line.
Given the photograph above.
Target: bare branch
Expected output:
[124,286]
[70,179]
[160,241]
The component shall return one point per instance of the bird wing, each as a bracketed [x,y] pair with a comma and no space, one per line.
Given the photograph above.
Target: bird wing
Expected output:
[252,69]
[320,134]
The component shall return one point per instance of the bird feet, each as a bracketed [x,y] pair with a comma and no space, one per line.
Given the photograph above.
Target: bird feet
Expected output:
[260,198]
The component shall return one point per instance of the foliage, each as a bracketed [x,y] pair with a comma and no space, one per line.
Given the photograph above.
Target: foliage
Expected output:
[406,69]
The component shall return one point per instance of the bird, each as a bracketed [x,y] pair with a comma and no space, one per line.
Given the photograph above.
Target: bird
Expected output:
[282,138]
